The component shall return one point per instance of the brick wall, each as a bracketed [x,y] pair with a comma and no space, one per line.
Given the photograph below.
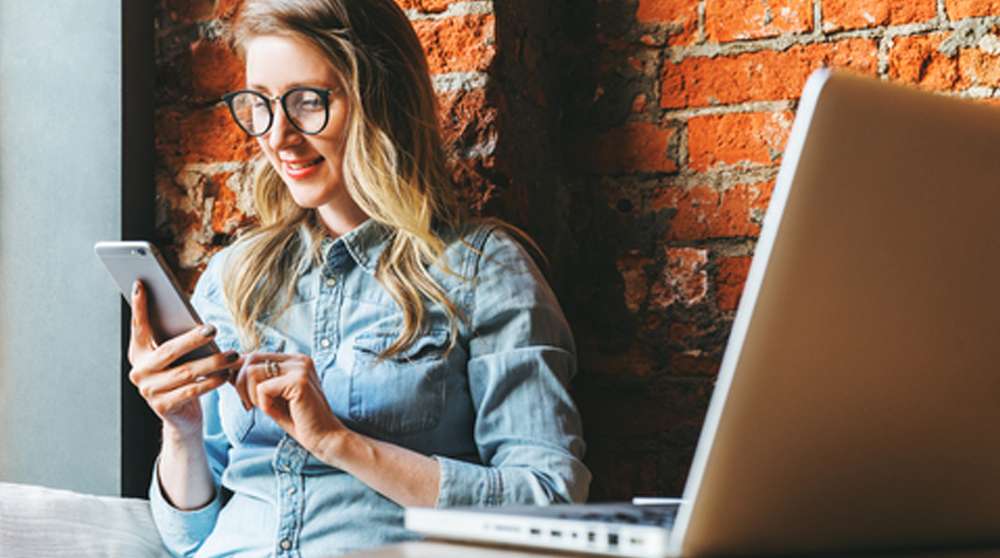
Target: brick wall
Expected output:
[638,140]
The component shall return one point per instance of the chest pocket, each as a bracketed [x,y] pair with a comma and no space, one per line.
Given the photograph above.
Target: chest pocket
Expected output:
[402,394]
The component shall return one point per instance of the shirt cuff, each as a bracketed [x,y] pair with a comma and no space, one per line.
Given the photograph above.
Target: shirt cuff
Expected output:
[468,484]
[182,531]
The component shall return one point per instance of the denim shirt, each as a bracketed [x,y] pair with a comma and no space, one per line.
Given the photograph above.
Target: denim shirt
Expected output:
[494,412]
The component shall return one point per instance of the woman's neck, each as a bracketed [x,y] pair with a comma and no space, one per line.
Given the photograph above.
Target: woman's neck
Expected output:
[341,220]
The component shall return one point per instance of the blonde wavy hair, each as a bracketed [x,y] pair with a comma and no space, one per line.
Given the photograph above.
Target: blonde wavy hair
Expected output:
[394,166]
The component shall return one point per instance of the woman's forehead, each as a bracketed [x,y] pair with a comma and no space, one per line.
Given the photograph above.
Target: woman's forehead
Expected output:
[275,63]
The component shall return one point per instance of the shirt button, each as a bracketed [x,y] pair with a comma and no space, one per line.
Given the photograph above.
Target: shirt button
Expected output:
[291,490]
[331,281]
[325,343]
[286,544]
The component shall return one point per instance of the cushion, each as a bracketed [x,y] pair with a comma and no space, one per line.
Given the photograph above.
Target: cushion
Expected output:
[37,521]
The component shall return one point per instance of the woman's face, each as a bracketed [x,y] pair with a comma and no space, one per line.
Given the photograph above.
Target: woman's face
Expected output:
[310,165]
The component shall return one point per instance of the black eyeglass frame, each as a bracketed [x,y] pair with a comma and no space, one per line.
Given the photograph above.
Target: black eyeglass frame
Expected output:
[269,101]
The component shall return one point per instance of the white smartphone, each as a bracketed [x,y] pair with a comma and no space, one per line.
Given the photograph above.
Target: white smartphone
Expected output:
[170,312]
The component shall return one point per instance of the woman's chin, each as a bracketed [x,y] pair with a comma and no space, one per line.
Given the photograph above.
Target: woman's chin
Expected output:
[307,201]
[308,197]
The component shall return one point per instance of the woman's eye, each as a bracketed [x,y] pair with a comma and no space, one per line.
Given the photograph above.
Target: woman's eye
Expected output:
[311,104]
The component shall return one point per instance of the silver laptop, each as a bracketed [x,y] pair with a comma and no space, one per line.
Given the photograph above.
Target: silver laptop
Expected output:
[858,402]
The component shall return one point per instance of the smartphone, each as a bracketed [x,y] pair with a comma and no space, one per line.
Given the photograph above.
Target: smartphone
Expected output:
[170,311]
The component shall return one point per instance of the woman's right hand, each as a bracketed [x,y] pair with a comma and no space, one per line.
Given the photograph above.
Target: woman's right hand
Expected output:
[173,391]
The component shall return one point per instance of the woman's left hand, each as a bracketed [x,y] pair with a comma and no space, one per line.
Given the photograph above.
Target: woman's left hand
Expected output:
[288,390]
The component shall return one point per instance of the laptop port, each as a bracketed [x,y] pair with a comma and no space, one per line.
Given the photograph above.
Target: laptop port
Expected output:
[612,539]
[636,541]
[535,531]
[555,534]
[591,536]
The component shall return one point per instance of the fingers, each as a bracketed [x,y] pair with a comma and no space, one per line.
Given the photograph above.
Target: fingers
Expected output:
[142,334]
[169,351]
[166,403]
[187,373]
[255,371]
[272,396]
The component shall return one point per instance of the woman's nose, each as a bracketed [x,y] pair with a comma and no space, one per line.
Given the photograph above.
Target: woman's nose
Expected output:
[281,133]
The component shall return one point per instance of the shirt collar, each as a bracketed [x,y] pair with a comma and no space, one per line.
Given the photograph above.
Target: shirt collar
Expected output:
[363,244]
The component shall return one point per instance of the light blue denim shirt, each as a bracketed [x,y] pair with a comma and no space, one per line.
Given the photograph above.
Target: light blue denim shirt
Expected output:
[494,412]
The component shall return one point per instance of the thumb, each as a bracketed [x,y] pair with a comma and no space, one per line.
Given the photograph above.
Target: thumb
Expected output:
[142,332]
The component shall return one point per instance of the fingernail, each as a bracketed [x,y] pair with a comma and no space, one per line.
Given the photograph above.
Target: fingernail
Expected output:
[232,357]
[135,287]
[207,330]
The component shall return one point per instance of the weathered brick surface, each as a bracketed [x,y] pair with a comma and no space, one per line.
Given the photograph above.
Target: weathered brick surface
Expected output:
[457,44]
[727,139]
[917,60]
[635,147]
[427,6]
[215,68]
[728,20]
[860,14]
[679,16]
[731,276]
[204,135]
[978,68]
[702,212]
[684,280]
[638,141]
[959,9]
[759,76]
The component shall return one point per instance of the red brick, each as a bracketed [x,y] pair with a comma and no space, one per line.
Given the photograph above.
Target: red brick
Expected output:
[757,137]
[757,76]
[703,212]
[201,136]
[684,279]
[633,271]
[860,14]
[458,44]
[978,68]
[958,9]
[215,68]
[225,215]
[635,147]
[915,60]
[680,14]
[729,20]
[426,6]
[732,275]
[466,119]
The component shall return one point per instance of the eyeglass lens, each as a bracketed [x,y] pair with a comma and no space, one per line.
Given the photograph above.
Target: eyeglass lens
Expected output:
[305,108]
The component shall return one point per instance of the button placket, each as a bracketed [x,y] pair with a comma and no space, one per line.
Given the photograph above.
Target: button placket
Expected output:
[326,314]
[289,459]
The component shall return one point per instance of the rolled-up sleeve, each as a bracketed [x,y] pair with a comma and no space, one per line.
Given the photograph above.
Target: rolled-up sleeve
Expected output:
[184,531]
[521,359]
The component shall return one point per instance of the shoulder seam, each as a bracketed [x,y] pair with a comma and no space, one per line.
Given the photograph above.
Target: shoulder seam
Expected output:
[479,239]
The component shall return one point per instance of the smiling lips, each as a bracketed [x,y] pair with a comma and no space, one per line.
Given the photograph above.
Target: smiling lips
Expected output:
[301,168]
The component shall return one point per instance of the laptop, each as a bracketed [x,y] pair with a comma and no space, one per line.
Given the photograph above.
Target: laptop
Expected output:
[858,402]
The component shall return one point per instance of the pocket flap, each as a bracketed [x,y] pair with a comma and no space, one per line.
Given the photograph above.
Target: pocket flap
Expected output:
[431,344]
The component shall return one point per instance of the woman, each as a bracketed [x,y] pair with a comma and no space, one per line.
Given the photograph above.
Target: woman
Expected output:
[391,353]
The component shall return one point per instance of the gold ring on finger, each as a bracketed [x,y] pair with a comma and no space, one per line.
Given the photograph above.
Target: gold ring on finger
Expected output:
[272,368]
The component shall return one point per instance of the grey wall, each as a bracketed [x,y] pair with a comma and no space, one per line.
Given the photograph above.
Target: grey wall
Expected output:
[60,191]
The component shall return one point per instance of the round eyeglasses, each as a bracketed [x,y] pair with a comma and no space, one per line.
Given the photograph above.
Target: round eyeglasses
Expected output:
[307,109]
